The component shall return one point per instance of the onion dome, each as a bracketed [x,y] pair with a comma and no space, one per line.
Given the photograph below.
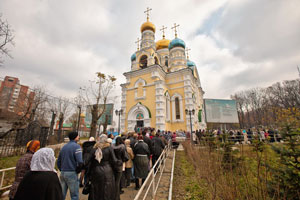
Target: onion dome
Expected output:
[162,44]
[133,57]
[82,115]
[190,63]
[147,26]
[176,43]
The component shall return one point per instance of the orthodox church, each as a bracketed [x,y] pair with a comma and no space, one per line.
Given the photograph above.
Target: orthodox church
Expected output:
[162,88]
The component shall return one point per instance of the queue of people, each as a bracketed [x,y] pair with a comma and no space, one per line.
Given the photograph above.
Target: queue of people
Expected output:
[102,166]
[240,136]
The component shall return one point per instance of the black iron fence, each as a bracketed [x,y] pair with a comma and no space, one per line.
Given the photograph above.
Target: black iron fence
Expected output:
[14,143]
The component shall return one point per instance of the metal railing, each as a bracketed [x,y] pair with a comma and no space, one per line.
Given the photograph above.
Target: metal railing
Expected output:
[171,179]
[2,177]
[150,181]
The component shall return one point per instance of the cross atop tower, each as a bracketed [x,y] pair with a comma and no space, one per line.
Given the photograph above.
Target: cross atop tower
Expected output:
[174,27]
[163,31]
[147,12]
[138,43]
[187,52]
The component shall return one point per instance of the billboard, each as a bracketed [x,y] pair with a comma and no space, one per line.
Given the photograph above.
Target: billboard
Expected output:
[220,111]
[108,113]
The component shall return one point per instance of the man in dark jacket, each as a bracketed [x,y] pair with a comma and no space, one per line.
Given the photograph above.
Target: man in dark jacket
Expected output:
[69,162]
[147,140]
[157,148]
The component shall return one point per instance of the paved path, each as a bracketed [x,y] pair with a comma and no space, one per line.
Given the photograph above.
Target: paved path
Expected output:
[163,188]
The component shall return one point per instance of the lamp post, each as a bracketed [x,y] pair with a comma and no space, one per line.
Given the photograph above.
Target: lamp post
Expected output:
[190,112]
[119,112]
[79,107]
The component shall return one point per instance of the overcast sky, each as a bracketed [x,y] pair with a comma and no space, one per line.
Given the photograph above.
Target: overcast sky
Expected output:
[236,44]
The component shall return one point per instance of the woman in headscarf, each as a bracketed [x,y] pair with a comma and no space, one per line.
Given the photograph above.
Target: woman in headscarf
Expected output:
[41,182]
[23,166]
[102,161]
[141,161]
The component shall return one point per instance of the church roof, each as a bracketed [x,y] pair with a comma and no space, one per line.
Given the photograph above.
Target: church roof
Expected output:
[133,57]
[162,44]
[148,26]
[176,43]
[190,63]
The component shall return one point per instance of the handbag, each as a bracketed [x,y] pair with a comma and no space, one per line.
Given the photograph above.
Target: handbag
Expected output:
[86,188]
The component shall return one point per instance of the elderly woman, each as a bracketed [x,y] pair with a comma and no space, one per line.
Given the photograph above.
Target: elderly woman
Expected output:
[102,161]
[141,161]
[41,182]
[23,166]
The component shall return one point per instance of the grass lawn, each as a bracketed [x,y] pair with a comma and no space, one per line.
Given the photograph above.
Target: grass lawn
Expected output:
[189,187]
[8,162]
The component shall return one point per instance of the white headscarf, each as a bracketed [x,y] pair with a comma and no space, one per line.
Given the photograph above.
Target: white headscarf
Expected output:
[99,145]
[43,160]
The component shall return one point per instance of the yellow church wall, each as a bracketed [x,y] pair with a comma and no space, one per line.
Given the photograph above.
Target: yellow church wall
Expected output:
[146,77]
[148,101]
[178,125]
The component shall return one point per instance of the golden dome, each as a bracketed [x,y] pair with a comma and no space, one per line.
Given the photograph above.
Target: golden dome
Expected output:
[82,115]
[162,44]
[148,26]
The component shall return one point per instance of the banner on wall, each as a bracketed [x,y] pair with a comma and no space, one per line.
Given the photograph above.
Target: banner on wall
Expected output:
[108,113]
[220,111]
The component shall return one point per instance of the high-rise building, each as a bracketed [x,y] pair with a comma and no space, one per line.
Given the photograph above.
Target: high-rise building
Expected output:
[15,97]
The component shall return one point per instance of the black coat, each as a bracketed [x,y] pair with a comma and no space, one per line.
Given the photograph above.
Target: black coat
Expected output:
[120,155]
[158,146]
[102,176]
[141,148]
[132,141]
[39,185]
[149,142]
[87,148]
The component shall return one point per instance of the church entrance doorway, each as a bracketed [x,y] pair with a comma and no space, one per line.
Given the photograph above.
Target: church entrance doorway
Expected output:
[140,123]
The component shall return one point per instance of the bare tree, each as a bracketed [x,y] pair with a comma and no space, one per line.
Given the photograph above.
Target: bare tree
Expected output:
[31,107]
[6,38]
[97,96]
[262,106]
[61,106]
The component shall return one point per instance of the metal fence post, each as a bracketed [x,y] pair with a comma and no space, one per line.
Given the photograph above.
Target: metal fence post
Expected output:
[2,179]
[153,184]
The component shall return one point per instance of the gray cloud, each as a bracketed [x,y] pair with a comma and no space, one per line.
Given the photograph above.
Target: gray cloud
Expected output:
[235,44]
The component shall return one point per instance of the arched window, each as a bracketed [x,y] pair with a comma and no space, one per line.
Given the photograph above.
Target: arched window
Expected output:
[143,62]
[156,60]
[166,61]
[177,108]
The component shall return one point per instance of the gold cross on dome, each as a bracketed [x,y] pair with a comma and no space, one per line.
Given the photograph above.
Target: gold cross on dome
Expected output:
[174,27]
[163,31]
[138,43]
[187,52]
[147,12]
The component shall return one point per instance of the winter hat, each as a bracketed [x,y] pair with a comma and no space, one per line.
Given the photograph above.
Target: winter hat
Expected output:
[73,135]
[33,146]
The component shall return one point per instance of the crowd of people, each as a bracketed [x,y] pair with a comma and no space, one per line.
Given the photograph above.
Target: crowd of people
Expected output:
[103,166]
[240,136]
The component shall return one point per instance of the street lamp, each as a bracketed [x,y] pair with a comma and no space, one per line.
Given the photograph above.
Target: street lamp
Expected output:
[190,112]
[79,107]
[119,112]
